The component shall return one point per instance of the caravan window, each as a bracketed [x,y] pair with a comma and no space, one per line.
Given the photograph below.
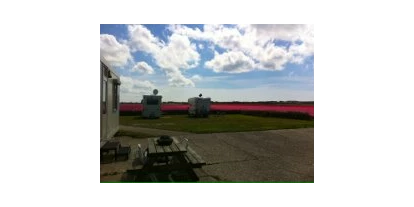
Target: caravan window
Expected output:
[104,94]
[152,101]
[115,97]
[105,70]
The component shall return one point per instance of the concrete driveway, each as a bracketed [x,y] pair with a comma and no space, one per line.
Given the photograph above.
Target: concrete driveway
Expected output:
[272,156]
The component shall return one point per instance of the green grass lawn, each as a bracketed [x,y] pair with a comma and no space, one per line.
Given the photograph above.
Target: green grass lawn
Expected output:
[215,123]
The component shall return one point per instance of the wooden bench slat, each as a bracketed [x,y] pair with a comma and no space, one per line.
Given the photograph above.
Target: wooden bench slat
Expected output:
[194,159]
[175,140]
[159,148]
[174,147]
[191,158]
[151,146]
[178,145]
[167,149]
[181,147]
[195,155]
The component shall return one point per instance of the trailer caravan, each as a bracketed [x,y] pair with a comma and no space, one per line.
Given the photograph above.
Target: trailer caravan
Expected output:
[199,106]
[109,100]
[151,105]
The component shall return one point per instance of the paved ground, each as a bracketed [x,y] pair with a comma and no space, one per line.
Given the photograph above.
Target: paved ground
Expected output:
[275,155]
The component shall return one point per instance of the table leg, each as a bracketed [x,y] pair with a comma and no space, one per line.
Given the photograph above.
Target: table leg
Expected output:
[181,158]
[149,163]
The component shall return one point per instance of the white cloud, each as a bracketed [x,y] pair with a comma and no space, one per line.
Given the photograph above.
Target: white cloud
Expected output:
[228,38]
[225,37]
[178,54]
[256,41]
[143,67]
[230,62]
[200,46]
[288,32]
[195,33]
[178,80]
[270,57]
[114,52]
[196,78]
[131,89]
[141,39]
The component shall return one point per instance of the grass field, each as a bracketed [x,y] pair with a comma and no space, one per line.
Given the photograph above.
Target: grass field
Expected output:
[216,123]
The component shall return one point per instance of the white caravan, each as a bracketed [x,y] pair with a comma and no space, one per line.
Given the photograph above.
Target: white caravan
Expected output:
[199,106]
[151,105]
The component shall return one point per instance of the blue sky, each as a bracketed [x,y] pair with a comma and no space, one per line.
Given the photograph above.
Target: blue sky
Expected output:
[224,62]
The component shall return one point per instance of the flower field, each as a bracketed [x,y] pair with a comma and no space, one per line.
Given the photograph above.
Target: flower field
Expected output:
[127,107]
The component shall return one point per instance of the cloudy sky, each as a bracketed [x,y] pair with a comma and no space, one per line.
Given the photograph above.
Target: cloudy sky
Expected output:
[224,62]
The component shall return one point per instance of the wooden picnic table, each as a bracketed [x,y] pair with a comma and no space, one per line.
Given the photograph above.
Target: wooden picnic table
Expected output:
[155,150]
[166,159]
[175,156]
[169,157]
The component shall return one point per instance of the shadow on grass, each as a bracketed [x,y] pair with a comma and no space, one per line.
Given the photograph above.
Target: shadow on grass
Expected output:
[145,118]
[138,135]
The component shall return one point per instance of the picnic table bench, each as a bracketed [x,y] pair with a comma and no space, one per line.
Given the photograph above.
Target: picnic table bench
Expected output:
[191,156]
[117,148]
[110,146]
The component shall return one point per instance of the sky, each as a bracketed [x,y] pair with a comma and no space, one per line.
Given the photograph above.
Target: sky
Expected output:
[265,62]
